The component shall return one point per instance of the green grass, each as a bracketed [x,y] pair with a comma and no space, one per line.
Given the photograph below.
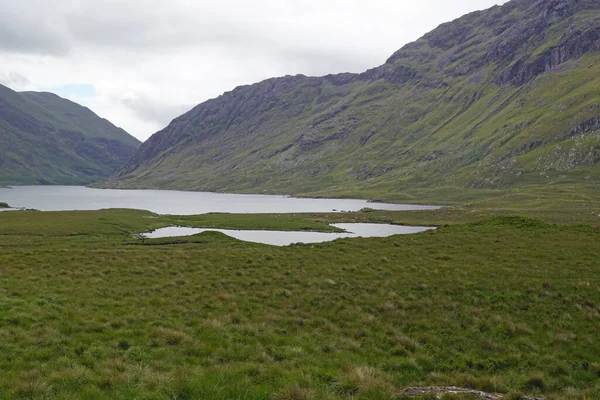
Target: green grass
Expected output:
[275,222]
[503,303]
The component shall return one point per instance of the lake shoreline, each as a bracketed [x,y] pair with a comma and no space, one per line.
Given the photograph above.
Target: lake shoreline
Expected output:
[176,202]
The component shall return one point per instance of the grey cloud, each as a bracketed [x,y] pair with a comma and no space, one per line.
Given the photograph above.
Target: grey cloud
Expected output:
[15,81]
[149,109]
[142,25]
[54,27]
[150,26]
[32,27]
[317,62]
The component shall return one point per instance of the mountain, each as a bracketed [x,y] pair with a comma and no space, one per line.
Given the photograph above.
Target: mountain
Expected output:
[497,98]
[45,139]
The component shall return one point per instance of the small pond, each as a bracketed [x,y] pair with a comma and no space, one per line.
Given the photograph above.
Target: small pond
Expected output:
[284,238]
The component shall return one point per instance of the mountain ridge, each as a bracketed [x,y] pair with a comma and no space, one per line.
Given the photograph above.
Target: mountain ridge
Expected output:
[458,106]
[50,140]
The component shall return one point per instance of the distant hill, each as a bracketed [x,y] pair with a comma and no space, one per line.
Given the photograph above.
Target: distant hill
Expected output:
[45,139]
[503,97]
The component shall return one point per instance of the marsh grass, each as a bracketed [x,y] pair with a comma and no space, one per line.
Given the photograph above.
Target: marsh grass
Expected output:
[506,304]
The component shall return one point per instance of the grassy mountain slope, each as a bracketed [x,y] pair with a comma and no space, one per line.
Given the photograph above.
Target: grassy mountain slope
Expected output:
[504,97]
[49,140]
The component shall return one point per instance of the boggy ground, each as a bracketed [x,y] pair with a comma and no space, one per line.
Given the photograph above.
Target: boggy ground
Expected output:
[500,304]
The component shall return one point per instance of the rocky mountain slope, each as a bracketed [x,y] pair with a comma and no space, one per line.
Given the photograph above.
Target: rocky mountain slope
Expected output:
[45,139]
[502,97]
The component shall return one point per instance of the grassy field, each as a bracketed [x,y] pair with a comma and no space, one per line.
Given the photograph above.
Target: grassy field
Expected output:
[497,303]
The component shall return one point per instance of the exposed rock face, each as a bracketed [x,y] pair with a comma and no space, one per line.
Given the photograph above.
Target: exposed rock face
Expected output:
[48,140]
[511,32]
[464,105]
[574,44]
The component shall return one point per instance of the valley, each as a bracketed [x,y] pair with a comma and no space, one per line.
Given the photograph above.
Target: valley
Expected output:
[120,274]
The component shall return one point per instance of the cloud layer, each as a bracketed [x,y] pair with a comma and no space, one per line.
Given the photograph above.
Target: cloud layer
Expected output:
[149,61]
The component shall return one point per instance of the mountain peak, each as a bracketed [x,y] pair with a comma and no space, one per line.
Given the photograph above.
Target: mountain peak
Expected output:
[512,37]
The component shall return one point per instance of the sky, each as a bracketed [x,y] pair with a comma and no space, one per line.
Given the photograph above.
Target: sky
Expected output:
[141,63]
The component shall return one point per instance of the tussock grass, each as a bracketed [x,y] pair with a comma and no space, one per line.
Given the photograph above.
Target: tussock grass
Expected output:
[295,392]
[502,304]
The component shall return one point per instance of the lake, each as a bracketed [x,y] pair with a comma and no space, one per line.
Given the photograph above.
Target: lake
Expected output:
[65,198]
[284,238]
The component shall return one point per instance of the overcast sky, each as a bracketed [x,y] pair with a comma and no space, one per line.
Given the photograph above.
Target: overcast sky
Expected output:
[141,63]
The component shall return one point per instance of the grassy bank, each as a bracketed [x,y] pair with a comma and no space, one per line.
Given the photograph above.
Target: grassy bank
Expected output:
[505,304]
[4,204]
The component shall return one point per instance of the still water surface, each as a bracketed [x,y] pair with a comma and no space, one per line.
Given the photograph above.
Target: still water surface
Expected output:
[284,238]
[64,198]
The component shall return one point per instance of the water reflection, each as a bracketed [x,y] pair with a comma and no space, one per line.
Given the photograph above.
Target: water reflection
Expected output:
[284,238]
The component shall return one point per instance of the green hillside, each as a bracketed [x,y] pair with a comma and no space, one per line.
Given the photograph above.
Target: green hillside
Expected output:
[506,97]
[46,139]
